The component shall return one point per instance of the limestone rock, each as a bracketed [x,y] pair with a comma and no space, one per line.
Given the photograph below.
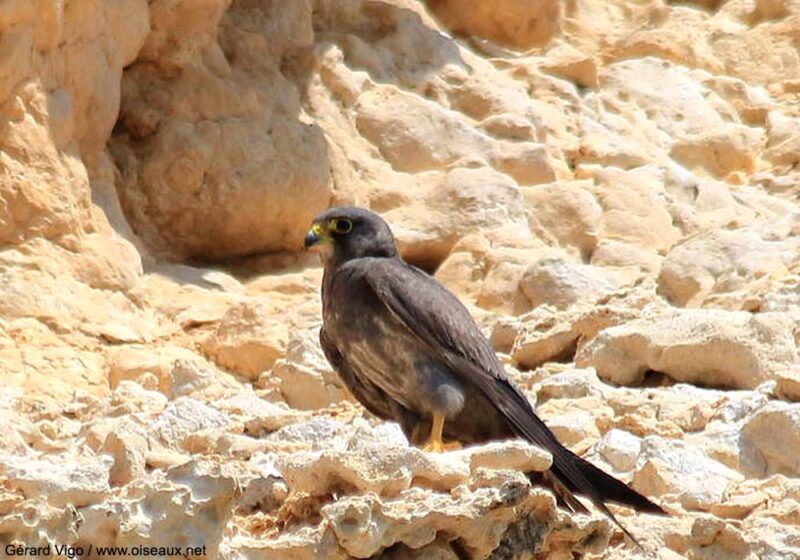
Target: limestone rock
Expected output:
[14,440]
[667,36]
[565,212]
[513,454]
[190,504]
[320,432]
[380,460]
[576,429]
[680,107]
[570,384]
[134,362]
[544,337]
[303,376]
[128,447]
[562,283]
[675,471]
[769,440]
[620,449]
[722,261]
[364,526]
[490,277]
[60,482]
[20,429]
[51,366]
[509,22]
[634,208]
[565,60]
[783,139]
[752,102]
[314,542]
[197,377]
[785,296]
[131,397]
[258,415]
[739,506]
[712,347]
[629,262]
[548,334]
[415,135]
[248,340]
[183,418]
[377,469]
[788,384]
[721,151]
[266,491]
[457,203]
[185,151]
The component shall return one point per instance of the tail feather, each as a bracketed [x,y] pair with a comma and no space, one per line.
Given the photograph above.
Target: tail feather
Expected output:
[564,496]
[614,490]
[574,475]
[602,507]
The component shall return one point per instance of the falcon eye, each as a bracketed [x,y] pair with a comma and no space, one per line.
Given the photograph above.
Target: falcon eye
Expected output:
[342,225]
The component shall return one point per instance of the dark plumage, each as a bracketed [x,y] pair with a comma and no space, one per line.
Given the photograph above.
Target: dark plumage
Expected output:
[410,352]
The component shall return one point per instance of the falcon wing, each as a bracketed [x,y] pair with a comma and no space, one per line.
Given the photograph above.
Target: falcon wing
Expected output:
[441,321]
[369,395]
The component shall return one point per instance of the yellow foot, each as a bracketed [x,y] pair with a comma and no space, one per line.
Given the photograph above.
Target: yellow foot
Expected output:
[435,443]
[440,446]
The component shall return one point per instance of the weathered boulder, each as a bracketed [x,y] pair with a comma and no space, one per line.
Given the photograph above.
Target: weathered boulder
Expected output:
[710,347]
[201,176]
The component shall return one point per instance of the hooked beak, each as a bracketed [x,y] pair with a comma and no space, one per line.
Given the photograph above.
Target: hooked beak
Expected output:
[315,236]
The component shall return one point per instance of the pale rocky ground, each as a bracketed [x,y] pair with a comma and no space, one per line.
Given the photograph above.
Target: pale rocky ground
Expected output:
[612,186]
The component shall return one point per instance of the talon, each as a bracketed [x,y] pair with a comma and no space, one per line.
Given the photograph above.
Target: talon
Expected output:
[433,447]
[435,443]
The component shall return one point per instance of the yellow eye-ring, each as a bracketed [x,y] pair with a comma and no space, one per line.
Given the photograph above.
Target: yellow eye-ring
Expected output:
[341,225]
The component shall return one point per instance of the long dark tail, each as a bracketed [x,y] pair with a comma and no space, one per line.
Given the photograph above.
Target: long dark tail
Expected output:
[571,475]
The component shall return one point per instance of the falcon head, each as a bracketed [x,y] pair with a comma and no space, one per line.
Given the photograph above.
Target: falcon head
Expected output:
[345,233]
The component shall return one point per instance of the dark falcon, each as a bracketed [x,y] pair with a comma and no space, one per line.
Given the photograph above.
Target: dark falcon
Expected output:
[410,352]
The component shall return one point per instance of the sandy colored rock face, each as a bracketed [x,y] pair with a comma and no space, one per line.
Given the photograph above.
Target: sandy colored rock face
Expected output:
[303,375]
[509,22]
[244,343]
[207,177]
[718,348]
[769,440]
[721,263]
[562,283]
[610,187]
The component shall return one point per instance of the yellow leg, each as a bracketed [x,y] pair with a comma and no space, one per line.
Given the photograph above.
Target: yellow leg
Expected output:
[435,443]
